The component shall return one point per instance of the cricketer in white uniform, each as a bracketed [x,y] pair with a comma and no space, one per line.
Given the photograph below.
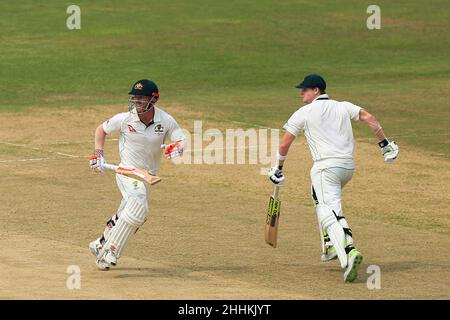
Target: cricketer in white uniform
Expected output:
[326,124]
[143,131]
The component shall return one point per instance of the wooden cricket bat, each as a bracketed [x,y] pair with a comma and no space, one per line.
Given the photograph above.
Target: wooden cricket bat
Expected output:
[273,217]
[135,173]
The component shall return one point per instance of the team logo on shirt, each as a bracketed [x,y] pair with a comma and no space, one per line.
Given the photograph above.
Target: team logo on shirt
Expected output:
[131,128]
[159,129]
[138,86]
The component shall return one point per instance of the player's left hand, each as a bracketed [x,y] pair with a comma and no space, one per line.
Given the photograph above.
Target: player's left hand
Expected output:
[173,150]
[276,176]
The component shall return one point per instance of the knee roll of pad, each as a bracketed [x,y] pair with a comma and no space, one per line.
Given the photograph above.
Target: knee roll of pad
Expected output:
[134,212]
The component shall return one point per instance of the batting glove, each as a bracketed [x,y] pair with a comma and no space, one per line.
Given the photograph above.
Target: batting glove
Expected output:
[276,176]
[173,150]
[389,150]
[96,161]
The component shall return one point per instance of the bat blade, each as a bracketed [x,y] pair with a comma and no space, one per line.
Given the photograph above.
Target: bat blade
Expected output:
[139,174]
[134,173]
[272,219]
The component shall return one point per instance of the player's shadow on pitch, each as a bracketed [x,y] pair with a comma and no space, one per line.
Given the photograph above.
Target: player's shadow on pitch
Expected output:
[394,266]
[400,266]
[387,267]
[157,272]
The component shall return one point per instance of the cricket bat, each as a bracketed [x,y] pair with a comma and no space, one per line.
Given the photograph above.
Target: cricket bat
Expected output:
[135,173]
[273,217]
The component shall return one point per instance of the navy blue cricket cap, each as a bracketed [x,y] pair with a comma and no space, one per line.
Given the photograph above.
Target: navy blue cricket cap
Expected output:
[144,88]
[312,81]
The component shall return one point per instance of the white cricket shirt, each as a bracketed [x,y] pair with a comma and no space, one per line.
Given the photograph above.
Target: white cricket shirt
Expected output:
[139,145]
[327,127]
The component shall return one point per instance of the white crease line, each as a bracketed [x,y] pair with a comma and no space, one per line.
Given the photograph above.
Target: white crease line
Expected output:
[69,142]
[116,139]
[24,160]
[240,122]
[191,150]
[408,136]
[67,155]
[13,144]
[38,149]
[37,159]
[76,157]
[235,148]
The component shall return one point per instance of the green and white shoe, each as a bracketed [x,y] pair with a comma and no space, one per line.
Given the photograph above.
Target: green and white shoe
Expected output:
[354,262]
[330,254]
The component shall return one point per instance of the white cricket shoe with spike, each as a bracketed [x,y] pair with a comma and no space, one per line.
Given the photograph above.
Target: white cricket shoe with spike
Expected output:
[110,258]
[95,247]
[102,264]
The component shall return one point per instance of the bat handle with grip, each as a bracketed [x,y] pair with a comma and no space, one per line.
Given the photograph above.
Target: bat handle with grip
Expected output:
[276,192]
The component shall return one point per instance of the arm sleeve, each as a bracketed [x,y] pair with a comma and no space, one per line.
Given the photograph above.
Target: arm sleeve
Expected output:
[113,124]
[353,110]
[296,123]
[174,133]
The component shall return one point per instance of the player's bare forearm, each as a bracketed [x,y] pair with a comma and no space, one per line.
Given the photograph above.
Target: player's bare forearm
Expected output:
[373,124]
[100,136]
[285,144]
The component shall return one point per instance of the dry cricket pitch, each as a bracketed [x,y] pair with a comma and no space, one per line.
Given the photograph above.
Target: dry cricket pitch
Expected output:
[205,236]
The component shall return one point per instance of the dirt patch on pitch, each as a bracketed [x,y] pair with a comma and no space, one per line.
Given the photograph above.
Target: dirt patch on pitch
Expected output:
[204,239]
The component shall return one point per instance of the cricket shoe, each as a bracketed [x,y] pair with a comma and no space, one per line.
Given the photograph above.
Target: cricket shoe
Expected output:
[330,254]
[95,247]
[354,262]
[107,260]
[109,256]
[102,264]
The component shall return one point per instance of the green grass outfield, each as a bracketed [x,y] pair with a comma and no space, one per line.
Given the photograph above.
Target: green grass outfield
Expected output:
[240,57]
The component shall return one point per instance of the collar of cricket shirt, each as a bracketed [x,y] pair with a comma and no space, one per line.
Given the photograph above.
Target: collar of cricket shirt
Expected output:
[156,116]
[322,97]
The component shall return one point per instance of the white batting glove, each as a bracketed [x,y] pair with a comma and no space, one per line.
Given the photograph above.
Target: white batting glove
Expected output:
[389,150]
[96,162]
[276,176]
[173,150]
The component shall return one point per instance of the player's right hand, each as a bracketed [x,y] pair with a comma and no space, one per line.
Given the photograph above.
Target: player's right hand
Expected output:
[389,150]
[276,176]
[96,162]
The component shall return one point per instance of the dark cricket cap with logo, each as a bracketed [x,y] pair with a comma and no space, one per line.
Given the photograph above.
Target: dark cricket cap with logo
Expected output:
[312,81]
[144,88]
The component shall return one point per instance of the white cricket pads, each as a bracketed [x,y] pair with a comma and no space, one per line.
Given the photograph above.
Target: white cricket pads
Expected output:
[131,218]
[330,224]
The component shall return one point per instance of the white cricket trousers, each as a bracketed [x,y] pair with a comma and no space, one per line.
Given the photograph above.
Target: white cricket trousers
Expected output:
[132,188]
[327,184]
